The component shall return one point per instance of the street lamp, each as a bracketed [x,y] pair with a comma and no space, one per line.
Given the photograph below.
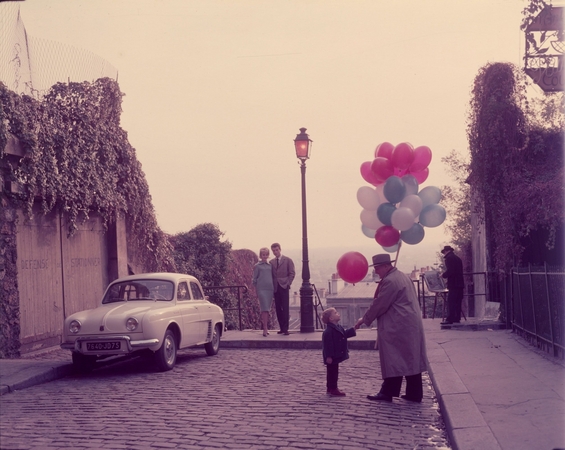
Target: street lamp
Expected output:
[303,144]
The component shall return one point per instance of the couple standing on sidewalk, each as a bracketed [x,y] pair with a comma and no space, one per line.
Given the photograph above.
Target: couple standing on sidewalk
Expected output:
[400,336]
[273,279]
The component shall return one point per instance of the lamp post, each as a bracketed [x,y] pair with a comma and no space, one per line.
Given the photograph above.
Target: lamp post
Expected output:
[302,145]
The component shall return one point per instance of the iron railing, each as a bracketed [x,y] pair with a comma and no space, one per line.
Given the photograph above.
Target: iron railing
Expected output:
[534,304]
[241,289]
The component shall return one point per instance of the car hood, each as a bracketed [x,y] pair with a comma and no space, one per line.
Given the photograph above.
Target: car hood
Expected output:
[111,318]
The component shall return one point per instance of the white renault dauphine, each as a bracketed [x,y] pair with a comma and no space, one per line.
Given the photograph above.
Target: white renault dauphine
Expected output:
[155,313]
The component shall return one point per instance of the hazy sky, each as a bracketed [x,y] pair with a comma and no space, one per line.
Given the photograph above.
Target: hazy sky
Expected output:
[216,91]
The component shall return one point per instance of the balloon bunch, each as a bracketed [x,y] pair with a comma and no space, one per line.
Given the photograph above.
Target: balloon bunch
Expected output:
[394,210]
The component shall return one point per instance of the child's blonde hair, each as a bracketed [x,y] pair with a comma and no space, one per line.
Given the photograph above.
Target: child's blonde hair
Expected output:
[327,314]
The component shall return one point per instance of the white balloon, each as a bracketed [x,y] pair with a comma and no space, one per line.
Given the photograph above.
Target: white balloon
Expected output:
[370,219]
[403,218]
[368,198]
[391,249]
[414,202]
[368,232]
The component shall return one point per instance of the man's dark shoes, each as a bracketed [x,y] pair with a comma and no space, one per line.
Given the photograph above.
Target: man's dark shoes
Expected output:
[447,322]
[411,399]
[280,332]
[380,397]
[335,393]
[286,333]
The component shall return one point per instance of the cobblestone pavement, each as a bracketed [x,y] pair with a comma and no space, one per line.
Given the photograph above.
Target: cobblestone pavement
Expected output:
[239,399]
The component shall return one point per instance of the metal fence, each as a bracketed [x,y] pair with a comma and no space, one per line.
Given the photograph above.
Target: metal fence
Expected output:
[231,302]
[533,300]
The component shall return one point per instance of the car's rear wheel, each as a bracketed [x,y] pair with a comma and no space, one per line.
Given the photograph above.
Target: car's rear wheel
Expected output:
[83,363]
[166,356]
[213,346]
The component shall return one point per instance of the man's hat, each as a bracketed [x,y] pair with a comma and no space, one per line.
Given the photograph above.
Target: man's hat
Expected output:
[381,259]
[446,249]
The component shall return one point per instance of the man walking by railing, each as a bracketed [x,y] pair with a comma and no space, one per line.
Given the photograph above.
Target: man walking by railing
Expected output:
[455,285]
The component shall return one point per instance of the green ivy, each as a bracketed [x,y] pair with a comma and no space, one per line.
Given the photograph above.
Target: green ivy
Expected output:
[516,167]
[78,161]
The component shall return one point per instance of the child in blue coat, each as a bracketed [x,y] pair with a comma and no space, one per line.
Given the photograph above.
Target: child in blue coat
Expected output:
[334,348]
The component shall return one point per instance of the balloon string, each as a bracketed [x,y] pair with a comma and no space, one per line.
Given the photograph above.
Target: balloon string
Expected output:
[397,252]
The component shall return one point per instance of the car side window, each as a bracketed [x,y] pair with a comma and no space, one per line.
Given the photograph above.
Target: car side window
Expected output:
[182,291]
[196,291]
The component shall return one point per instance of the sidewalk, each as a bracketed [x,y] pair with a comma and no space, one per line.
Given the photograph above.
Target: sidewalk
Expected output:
[495,390]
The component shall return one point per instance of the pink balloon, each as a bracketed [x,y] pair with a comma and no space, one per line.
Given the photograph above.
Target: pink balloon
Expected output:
[400,172]
[421,176]
[384,150]
[387,236]
[422,158]
[352,267]
[368,174]
[402,155]
[382,168]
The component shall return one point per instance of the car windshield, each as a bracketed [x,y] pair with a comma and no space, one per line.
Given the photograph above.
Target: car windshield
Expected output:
[139,290]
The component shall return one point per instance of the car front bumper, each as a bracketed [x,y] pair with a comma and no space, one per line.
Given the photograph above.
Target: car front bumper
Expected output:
[127,345]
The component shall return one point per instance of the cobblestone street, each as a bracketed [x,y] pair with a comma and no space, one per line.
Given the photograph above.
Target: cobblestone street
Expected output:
[240,399]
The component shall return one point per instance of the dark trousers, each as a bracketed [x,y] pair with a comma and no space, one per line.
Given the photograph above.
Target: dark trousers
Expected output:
[414,390]
[332,375]
[282,307]
[454,299]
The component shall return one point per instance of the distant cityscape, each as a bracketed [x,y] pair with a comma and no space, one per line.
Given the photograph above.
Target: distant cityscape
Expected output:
[322,263]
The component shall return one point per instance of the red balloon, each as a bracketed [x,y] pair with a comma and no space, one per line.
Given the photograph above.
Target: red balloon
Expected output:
[422,158]
[382,168]
[387,236]
[421,176]
[352,267]
[368,174]
[402,155]
[384,150]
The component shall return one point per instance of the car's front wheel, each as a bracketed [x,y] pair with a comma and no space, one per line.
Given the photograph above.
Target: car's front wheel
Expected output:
[166,356]
[83,363]
[213,346]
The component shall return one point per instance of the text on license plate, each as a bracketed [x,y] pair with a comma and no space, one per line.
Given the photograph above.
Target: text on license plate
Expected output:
[97,346]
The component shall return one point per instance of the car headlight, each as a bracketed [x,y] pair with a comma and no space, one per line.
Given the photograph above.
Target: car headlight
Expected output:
[74,326]
[131,324]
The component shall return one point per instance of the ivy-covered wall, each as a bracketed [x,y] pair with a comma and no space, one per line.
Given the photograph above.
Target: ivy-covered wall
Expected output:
[9,300]
[73,159]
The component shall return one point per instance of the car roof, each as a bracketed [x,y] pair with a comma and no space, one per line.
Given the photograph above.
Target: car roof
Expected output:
[165,276]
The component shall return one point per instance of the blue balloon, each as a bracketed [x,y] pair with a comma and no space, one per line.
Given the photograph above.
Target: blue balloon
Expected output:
[394,189]
[430,195]
[384,213]
[432,215]
[411,184]
[413,235]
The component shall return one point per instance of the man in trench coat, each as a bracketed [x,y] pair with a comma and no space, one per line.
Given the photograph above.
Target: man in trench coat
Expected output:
[400,335]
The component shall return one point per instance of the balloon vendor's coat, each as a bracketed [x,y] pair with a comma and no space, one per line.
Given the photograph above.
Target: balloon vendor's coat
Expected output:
[400,335]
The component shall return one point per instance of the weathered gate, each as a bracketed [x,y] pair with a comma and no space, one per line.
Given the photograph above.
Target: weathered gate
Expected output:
[59,275]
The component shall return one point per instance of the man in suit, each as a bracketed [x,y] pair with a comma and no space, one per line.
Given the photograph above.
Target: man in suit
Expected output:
[455,284]
[283,276]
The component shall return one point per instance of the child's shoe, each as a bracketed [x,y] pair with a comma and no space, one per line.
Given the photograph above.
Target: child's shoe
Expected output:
[335,393]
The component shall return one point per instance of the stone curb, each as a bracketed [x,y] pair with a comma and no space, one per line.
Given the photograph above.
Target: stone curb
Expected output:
[38,376]
[464,422]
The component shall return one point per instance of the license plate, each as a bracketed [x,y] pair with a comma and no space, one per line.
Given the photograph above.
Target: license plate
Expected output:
[102,346]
